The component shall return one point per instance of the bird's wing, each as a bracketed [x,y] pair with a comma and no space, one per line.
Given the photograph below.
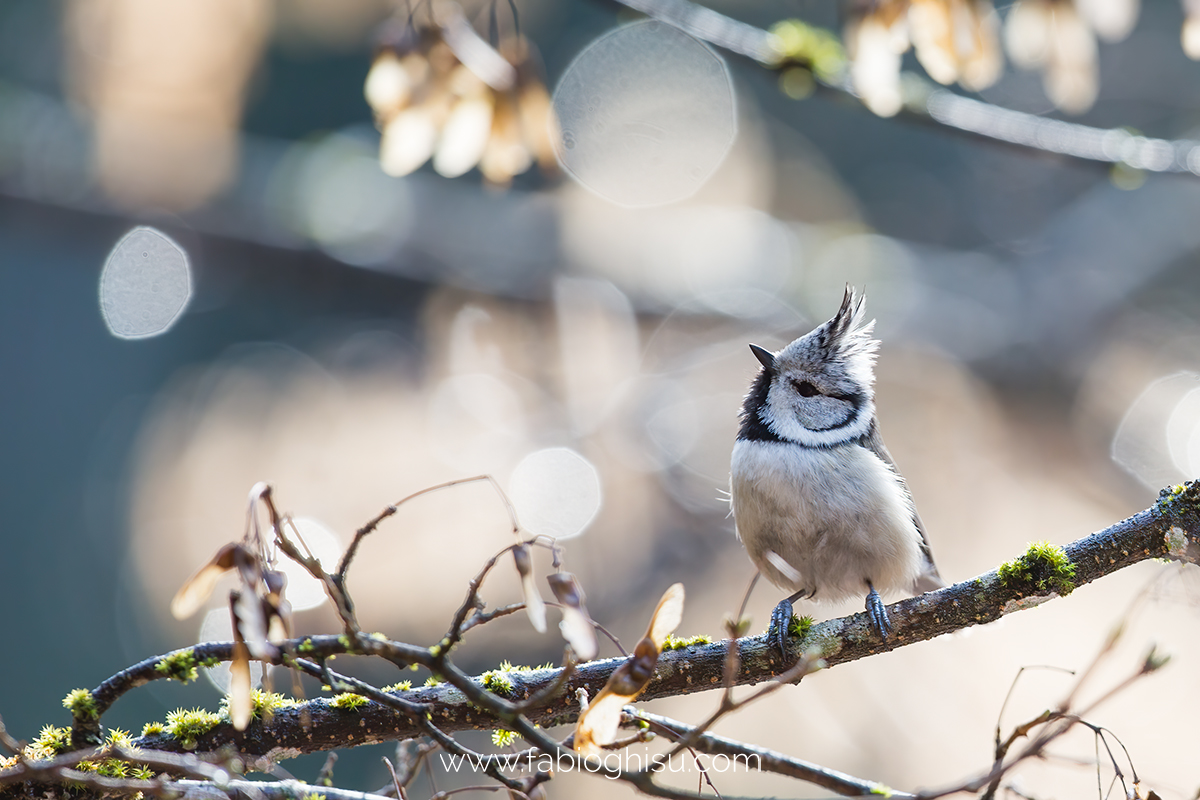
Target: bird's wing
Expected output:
[929,578]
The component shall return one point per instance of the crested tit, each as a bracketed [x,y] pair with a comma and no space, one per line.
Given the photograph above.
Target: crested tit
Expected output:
[817,500]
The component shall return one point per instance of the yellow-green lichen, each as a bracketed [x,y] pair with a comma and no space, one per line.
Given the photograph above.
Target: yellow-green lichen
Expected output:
[81,703]
[188,726]
[306,646]
[880,789]
[673,643]
[400,686]
[433,680]
[1044,567]
[350,701]
[180,666]
[1178,498]
[503,738]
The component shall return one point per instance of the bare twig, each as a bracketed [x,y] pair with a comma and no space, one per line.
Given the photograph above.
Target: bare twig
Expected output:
[362,532]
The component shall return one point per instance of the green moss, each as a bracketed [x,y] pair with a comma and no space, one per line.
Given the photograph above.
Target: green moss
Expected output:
[1044,567]
[112,768]
[188,726]
[153,729]
[350,701]
[497,681]
[82,704]
[51,741]
[344,641]
[503,738]
[307,646]
[433,680]
[880,789]
[508,666]
[179,666]
[401,686]
[673,643]
[118,738]
[209,663]
[799,626]
[143,773]
[263,703]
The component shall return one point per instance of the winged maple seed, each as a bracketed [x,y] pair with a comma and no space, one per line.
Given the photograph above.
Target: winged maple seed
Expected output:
[597,725]
[535,607]
[260,614]
[440,91]
[576,625]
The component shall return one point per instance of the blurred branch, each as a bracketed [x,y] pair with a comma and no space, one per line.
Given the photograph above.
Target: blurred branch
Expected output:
[927,102]
[766,759]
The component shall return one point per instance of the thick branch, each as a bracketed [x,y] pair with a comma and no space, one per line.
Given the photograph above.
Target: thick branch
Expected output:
[1168,530]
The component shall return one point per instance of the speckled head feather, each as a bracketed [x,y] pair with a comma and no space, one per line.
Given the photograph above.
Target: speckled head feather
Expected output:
[843,344]
[818,391]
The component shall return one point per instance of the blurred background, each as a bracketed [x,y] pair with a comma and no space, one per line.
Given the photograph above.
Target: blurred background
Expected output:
[206,280]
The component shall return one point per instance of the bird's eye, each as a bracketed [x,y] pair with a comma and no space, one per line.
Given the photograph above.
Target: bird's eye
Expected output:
[805,388]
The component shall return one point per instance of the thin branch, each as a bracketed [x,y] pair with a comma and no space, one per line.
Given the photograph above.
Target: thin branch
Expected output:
[364,531]
[262,790]
[765,759]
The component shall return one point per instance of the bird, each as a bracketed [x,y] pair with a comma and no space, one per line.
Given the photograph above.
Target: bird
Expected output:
[816,497]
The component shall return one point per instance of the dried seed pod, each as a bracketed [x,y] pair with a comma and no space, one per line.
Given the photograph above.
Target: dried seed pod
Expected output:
[535,607]
[597,725]
[240,694]
[197,589]
[576,625]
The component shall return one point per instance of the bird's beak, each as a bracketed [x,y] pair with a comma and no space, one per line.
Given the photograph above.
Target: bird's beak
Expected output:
[764,356]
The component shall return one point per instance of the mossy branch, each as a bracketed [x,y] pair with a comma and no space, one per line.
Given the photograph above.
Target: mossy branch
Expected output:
[1170,529]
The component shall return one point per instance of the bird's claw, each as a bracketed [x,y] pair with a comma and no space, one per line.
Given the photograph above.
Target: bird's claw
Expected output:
[877,614]
[781,622]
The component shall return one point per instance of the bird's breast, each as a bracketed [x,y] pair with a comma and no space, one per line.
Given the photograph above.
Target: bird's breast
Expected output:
[837,516]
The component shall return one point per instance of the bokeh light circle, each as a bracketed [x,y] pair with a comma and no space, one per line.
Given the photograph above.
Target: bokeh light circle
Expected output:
[145,284]
[647,115]
[218,627]
[556,492]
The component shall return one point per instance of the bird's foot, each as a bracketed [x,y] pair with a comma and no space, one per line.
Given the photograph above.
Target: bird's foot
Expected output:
[781,622]
[876,613]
